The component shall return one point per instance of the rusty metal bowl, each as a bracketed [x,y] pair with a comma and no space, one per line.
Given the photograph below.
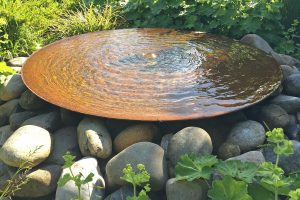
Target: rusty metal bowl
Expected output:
[151,74]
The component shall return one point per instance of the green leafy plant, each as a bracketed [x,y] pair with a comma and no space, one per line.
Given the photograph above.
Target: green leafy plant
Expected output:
[229,188]
[233,18]
[4,72]
[191,167]
[290,42]
[139,179]
[272,176]
[244,180]
[78,179]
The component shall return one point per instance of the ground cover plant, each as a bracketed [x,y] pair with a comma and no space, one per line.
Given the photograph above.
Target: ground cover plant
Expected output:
[235,179]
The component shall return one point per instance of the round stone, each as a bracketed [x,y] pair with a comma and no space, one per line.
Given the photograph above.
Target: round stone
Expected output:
[248,135]
[5,133]
[134,134]
[149,154]
[93,138]
[290,104]
[7,109]
[28,144]
[64,140]
[50,121]
[41,182]
[30,101]
[189,140]
[292,85]
[191,190]
[17,119]
[12,88]
[252,156]
[257,42]
[228,150]
[274,116]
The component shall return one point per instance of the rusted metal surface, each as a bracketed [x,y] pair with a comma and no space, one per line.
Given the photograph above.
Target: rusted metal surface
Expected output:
[151,74]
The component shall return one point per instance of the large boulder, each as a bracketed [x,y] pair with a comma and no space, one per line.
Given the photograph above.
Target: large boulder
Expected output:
[28,144]
[291,85]
[93,138]
[50,121]
[289,103]
[134,134]
[7,109]
[12,88]
[248,135]
[258,42]
[64,140]
[191,190]
[149,154]
[93,190]
[41,182]
[189,140]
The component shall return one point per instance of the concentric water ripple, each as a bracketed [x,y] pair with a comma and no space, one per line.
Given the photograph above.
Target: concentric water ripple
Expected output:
[151,74]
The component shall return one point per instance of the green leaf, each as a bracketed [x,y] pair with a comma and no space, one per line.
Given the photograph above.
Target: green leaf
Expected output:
[237,169]
[88,179]
[69,160]
[63,180]
[4,72]
[284,148]
[258,192]
[295,195]
[296,180]
[191,167]
[229,189]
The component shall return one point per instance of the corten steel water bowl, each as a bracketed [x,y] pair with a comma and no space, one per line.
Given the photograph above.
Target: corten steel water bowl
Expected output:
[151,74]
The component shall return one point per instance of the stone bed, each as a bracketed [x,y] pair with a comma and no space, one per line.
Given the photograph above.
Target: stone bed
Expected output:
[27,122]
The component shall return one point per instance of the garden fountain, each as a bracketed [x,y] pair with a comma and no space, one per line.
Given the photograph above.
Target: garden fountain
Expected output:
[151,74]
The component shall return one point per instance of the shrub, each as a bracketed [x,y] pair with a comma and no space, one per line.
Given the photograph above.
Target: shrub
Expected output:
[86,18]
[244,180]
[23,24]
